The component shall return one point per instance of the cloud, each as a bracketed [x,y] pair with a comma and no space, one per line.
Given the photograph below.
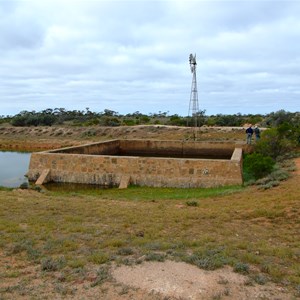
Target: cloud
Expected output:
[133,55]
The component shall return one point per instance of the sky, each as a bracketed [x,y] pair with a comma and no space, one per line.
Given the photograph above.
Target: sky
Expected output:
[130,56]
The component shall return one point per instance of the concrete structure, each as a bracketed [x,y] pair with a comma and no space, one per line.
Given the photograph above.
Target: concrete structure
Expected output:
[141,162]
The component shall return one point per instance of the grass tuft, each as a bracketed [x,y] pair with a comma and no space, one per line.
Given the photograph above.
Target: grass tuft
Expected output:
[209,259]
[50,264]
[241,268]
[98,257]
[155,257]
[125,251]
[103,274]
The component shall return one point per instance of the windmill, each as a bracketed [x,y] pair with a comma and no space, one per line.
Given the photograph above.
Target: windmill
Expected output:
[194,106]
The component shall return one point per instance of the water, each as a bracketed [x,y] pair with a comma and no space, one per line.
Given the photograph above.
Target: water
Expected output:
[72,187]
[13,167]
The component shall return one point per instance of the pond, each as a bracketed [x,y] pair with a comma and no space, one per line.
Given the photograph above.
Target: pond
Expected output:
[13,167]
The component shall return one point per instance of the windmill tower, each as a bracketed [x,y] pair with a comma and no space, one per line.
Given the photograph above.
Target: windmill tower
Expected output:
[194,106]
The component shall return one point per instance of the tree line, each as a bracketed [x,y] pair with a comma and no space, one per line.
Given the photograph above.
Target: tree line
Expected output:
[60,116]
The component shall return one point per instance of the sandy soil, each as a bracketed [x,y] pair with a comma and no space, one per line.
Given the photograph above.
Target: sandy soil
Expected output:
[167,280]
[178,280]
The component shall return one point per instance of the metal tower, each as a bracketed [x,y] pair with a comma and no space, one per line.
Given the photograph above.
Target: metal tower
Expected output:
[194,106]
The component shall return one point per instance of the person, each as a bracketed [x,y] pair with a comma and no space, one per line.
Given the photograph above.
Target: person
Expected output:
[249,132]
[257,133]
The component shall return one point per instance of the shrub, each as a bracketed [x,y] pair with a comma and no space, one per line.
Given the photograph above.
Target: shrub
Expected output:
[24,186]
[280,175]
[241,268]
[274,144]
[258,165]
[49,264]
[210,259]
[125,251]
[155,257]
[103,274]
[98,258]
[260,279]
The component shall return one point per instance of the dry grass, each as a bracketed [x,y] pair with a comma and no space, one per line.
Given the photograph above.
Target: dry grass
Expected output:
[252,230]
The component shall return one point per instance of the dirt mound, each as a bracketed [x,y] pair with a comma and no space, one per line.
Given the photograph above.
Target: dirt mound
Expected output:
[179,280]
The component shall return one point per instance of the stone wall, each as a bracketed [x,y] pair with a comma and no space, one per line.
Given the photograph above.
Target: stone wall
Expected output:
[66,166]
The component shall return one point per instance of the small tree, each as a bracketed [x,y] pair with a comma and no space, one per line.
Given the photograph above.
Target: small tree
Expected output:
[257,165]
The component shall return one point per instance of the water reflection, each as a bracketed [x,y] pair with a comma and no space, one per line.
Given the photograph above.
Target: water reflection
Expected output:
[13,167]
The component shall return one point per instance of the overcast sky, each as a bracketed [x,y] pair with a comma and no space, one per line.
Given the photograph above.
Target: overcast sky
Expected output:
[132,56]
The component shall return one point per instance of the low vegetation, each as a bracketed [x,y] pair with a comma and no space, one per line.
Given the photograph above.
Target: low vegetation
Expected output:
[270,161]
[67,233]
[59,116]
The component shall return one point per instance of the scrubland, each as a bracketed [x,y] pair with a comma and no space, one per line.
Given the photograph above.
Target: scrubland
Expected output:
[63,244]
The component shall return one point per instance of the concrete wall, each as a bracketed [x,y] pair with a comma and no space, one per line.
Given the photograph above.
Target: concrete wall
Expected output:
[105,148]
[144,171]
[154,147]
[176,148]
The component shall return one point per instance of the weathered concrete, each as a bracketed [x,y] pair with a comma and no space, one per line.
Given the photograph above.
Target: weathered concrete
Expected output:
[125,180]
[44,177]
[146,163]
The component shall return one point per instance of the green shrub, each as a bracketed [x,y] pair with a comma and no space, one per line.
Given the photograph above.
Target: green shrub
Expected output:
[24,186]
[274,144]
[208,259]
[98,257]
[257,165]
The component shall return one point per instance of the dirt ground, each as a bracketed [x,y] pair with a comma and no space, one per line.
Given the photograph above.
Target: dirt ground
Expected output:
[178,280]
[45,138]
[148,281]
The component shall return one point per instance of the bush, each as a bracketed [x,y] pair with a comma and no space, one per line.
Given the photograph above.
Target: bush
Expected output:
[49,264]
[258,165]
[241,268]
[24,186]
[155,257]
[125,251]
[192,203]
[274,144]
[209,259]
[103,274]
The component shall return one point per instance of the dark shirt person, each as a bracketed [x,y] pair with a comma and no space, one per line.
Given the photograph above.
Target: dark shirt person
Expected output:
[249,133]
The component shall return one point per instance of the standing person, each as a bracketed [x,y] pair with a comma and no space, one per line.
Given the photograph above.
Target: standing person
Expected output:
[249,132]
[257,133]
